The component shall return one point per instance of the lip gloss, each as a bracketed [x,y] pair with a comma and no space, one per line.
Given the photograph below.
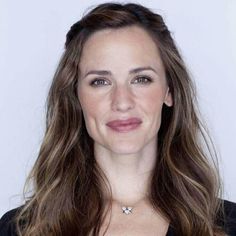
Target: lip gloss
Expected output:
[124,125]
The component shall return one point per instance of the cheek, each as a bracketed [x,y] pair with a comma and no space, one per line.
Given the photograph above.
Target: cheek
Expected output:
[89,111]
[153,100]
[152,107]
[91,107]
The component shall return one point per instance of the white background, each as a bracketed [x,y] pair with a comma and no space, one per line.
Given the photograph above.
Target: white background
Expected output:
[32,36]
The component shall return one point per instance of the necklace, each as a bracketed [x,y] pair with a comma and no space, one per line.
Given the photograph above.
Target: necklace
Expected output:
[126,210]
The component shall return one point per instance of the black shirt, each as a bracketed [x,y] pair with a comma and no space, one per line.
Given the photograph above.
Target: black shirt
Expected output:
[7,225]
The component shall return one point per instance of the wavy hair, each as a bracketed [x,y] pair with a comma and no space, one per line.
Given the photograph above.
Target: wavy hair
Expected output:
[68,184]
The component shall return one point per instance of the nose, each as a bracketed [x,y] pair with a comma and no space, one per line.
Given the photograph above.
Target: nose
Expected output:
[122,98]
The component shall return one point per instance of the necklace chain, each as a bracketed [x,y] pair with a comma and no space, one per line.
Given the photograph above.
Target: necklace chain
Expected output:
[127,209]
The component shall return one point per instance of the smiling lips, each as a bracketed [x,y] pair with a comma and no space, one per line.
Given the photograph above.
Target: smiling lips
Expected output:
[124,125]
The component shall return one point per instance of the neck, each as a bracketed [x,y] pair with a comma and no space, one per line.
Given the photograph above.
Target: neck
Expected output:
[128,174]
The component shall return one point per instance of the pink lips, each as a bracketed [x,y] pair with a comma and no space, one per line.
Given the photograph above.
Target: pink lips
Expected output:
[124,125]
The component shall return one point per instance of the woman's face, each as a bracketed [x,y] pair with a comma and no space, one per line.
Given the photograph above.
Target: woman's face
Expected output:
[122,77]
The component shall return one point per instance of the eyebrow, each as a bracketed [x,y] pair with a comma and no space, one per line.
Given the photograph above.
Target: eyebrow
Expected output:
[133,71]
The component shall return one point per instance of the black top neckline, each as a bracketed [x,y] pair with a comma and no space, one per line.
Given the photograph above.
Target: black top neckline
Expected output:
[8,228]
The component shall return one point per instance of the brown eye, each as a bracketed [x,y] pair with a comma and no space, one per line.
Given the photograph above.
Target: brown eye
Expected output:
[98,82]
[143,80]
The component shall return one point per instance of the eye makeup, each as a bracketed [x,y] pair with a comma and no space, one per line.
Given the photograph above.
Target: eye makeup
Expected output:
[103,82]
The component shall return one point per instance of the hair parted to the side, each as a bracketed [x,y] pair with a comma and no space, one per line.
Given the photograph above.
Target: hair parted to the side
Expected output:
[68,185]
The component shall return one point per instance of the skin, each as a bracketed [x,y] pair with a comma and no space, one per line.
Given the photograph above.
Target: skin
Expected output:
[128,158]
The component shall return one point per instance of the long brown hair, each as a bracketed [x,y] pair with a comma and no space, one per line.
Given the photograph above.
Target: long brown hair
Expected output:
[68,184]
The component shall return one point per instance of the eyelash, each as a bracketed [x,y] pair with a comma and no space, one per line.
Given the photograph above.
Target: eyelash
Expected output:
[92,83]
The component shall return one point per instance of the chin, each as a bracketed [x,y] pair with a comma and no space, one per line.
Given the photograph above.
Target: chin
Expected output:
[125,150]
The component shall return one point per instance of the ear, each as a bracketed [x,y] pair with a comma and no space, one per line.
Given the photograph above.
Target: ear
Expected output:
[168,98]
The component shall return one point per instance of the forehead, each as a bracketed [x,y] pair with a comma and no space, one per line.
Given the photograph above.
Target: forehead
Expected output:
[130,44]
[127,40]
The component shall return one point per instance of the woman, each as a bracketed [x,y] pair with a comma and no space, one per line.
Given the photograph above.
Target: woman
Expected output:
[123,149]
